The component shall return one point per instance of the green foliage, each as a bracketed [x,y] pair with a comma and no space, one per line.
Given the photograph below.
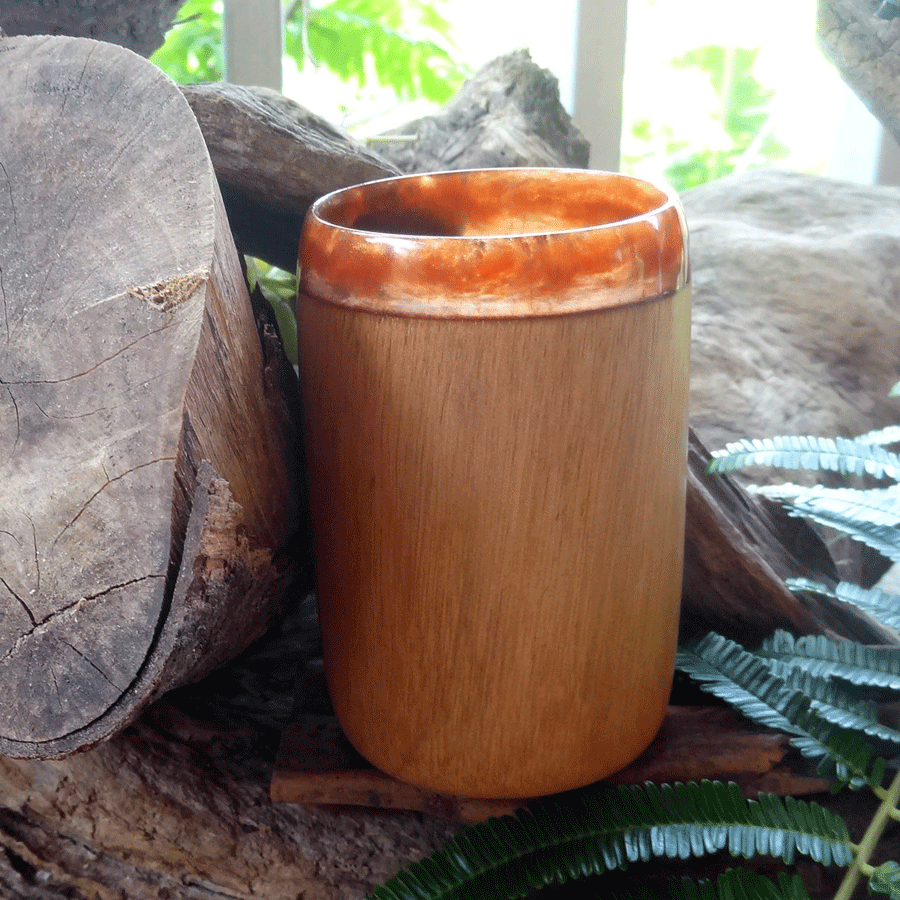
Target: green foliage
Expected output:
[192,51]
[592,831]
[883,605]
[280,290]
[736,884]
[870,515]
[825,722]
[886,879]
[858,664]
[740,115]
[401,44]
[404,44]
[847,456]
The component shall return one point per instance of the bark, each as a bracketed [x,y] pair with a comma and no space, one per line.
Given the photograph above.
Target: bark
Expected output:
[507,114]
[273,158]
[139,26]
[316,766]
[146,453]
[865,48]
[148,816]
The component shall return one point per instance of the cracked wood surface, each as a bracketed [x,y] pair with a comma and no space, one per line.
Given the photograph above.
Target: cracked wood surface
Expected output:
[865,49]
[148,815]
[129,354]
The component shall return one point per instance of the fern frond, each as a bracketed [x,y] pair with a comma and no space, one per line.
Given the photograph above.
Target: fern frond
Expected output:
[882,436]
[833,704]
[856,663]
[886,880]
[603,828]
[847,456]
[880,604]
[869,516]
[739,884]
[730,672]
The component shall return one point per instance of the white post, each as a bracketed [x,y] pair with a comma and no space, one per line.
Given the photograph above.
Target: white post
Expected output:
[253,42]
[599,76]
[888,171]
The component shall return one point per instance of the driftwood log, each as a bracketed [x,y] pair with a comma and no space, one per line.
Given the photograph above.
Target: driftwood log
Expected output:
[139,26]
[862,39]
[273,158]
[507,114]
[146,456]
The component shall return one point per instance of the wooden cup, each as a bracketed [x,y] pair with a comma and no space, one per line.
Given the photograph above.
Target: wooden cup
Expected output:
[495,379]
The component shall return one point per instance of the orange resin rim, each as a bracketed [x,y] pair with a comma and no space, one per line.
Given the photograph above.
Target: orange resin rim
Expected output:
[494,243]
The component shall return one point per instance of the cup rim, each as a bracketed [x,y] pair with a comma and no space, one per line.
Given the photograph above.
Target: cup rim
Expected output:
[668,198]
[628,244]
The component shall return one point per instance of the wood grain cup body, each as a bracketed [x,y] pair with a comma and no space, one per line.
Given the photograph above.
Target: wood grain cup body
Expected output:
[497,476]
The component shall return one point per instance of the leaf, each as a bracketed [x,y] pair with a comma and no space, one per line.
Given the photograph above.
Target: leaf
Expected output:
[843,455]
[856,663]
[886,880]
[889,435]
[735,884]
[739,677]
[869,516]
[882,605]
[601,828]
[835,705]
[192,50]
[357,39]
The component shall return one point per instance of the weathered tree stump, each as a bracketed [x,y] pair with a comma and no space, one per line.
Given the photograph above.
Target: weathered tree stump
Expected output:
[145,454]
[507,114]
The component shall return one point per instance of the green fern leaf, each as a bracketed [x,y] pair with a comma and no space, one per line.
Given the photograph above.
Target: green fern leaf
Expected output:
[730,672]
[856,663]
[737,884]
[833,704]
[882,436]
[869,516]
[602,828]
[880,604]
[688,889]
[844,455]
[886,880]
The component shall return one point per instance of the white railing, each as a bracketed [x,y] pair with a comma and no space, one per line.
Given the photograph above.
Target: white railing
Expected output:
[253,42]
[253,50]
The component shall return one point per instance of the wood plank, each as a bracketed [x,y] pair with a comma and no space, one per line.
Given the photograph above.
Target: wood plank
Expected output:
[316,766]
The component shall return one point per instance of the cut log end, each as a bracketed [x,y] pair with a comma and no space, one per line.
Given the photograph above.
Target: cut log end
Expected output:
[145,463]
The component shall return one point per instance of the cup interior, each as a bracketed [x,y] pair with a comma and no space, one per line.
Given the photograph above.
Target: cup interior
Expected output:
[490,203]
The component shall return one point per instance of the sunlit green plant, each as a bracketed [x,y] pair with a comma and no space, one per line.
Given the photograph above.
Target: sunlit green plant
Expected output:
[404,45]
[738,136]
[280,290]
